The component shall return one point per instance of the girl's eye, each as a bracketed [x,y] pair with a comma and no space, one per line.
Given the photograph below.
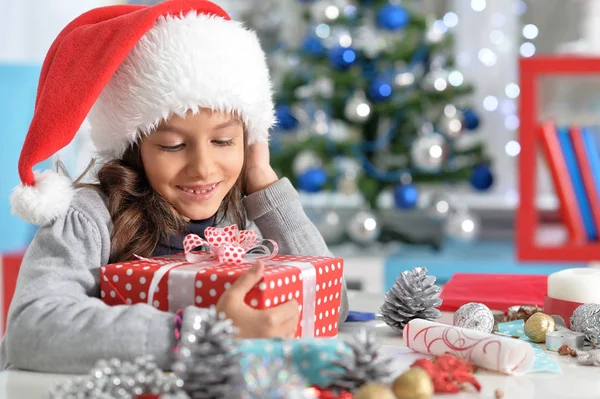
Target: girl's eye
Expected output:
[171,148]
[223,143]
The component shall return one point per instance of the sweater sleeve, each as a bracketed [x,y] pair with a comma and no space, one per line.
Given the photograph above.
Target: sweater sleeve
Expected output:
[57,323]
[278,214]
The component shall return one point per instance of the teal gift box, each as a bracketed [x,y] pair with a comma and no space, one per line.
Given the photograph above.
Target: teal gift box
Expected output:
[312,357]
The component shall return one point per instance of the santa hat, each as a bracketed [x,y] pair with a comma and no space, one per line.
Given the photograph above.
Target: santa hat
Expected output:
[128,67]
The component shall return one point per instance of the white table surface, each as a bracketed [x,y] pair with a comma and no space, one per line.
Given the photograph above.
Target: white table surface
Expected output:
[577,381]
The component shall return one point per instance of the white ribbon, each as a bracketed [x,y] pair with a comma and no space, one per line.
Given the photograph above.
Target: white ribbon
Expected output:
[309,296]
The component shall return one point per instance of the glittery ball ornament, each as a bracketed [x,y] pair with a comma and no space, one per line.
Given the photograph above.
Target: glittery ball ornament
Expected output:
[538,325]
[586,320]
[474,316]
[120,380]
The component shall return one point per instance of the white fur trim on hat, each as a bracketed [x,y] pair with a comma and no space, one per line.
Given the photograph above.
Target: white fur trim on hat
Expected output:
[184,63]
[47,200]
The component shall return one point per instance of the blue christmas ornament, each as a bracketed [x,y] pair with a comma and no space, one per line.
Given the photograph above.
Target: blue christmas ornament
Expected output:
[406,196]
[285,117]
[392,17]
[313,46]
[379,90]
[482,177]
[470,119]
[312,180]
[342,57]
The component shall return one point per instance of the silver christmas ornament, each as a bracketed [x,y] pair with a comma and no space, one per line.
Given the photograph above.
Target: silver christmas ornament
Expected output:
[436,81]
[329,224]
[339,131]
[348,167]
[368,39]
[586,320]
[358,108]
[364,364]
[325,11]
[450,127]
[414,296]
[321,123]
[208,361]
[363,228]
[116,379]
[266,377]
[438,206]
[474,316]
[306,160]
[462,226]
[428,152]
[404,79]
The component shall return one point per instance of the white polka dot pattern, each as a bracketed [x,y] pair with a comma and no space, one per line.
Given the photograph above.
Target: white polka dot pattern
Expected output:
[208,280]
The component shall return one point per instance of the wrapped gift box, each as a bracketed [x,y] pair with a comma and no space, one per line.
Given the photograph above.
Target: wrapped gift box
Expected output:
[176,281]
[310,357]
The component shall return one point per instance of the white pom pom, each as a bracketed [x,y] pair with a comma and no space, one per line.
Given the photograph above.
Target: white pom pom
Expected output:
[49,199]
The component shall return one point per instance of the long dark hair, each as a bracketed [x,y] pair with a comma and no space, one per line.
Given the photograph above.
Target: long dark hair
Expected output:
[141,217]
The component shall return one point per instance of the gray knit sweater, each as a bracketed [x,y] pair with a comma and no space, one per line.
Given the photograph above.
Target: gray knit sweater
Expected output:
[57,322]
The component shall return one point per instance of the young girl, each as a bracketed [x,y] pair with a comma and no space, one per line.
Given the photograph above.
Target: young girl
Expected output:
[178,98]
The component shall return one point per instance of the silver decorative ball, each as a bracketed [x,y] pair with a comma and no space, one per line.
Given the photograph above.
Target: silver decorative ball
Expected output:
[363,228]
[306,160]
[451,127]
[586,320]
[474,316]
[325,11]
[436,81]
[404,79]
[439,206]
[329,224]
[462,226]
[429,152]
[358,108]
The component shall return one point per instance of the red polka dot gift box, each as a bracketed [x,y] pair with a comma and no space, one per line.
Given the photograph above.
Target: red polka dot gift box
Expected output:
[200,277]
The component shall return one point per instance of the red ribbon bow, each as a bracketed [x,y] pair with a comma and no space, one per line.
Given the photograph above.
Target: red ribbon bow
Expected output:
[228,245]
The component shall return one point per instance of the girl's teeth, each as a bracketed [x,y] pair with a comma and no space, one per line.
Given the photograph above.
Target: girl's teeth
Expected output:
[187,190]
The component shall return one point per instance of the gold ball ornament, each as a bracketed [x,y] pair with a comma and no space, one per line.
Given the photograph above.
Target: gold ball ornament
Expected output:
[538,325]
[413,384]
[373,390]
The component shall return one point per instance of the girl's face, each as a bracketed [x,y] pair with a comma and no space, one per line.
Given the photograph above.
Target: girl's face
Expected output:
[193,162]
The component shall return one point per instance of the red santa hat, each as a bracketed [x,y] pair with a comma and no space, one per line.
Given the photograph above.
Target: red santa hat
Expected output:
[128,67]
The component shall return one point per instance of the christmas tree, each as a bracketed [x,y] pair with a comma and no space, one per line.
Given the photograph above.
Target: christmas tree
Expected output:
[370,99]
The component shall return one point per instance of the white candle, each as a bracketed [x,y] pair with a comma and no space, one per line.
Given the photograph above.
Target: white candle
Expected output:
[575,285]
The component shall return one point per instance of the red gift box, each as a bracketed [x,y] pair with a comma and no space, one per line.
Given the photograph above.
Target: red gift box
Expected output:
[176,281]
[496,291]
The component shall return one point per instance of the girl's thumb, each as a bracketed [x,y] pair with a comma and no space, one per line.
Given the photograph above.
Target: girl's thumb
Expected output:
[249,279]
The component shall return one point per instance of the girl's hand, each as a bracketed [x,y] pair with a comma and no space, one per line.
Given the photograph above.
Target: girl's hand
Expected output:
[259,173]
[276,322]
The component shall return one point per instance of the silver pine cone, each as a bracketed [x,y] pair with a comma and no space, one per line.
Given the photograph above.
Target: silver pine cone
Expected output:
[208,361]
[414,296]
[363,364]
